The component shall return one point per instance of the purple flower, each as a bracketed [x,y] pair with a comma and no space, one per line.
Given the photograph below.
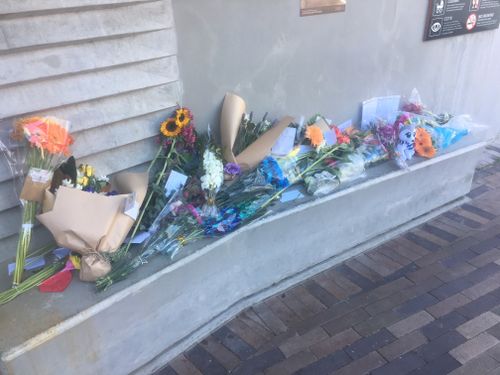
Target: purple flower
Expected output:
[232,169]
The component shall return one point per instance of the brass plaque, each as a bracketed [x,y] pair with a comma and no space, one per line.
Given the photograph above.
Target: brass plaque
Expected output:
[315,7]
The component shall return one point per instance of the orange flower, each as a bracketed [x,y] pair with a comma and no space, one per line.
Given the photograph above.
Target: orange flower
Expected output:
[315,135]
[423,144]
[45,133]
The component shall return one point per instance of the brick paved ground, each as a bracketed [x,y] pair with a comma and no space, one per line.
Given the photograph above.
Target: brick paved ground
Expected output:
[427,302]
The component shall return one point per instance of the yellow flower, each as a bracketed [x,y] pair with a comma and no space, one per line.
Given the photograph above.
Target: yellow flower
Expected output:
[85,181]
[170,128]
[182,117]
[89,170]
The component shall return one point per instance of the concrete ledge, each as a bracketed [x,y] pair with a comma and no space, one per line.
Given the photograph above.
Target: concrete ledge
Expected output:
[147,323]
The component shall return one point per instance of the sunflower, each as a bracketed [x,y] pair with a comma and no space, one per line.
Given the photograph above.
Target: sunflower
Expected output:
[170,128]
[182,117]
[423,144]
[315,135]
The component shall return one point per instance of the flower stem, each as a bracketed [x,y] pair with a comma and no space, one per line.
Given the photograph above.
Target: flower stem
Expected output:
[150,195]
[29,212]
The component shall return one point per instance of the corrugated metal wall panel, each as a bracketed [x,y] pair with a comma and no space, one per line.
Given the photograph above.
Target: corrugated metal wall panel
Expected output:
[107,66]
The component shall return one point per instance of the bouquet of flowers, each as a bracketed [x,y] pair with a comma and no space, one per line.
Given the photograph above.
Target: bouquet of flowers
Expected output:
[46,140]
[211,182]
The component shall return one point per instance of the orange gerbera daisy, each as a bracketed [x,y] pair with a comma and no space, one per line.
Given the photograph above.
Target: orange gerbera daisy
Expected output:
[315,135]
[423,144]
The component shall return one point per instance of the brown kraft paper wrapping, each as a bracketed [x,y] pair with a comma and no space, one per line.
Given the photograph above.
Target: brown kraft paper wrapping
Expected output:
[35,184]
[233,109]
[93,267]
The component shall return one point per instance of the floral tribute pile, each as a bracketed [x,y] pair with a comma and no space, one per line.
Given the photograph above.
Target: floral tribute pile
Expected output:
[197,188]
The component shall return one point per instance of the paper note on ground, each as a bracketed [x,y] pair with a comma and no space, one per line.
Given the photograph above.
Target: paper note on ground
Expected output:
[284,144]
[30,265]
[291,195]
[140,238]
[174,183]
[385,108]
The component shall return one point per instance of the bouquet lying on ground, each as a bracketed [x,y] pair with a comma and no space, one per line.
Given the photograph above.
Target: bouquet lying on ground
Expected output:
[45,141]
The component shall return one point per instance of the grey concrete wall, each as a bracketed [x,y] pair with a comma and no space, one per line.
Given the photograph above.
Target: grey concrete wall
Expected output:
[282,63]
[108,66]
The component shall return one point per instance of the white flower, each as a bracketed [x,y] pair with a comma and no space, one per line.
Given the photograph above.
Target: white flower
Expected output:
[214,172]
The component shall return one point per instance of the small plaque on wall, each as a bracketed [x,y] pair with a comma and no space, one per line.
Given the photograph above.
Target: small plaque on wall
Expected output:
[315,7]
[448,18]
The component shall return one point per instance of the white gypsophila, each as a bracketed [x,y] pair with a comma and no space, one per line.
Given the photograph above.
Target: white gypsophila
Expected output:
[104,178]
[214,172]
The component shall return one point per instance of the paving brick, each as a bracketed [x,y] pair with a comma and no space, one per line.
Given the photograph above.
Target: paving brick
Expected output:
[247,333]
[271,321]
[482,288]
[320,293]
[360,280]
[426,272]
[167,370]
[402,272]
[442,365]
[204,361]
[307,299]
[478,325]
[375,323]
[327,364]
[482,364]
[325,316]
[395,256]
[386,304]
[483,273]
[299,343]
[363,365]
[438,232]
[331,286]
[368,344]
[282,311]
[403,345]
[494,353]
[451,288]
[403,365]
[335,343]
[480,190]
[182,366]
[416,304]
[296,305]
[380,258]
[382,291]
[259,363]
[486,245]
[224,356]
[448,305]
[474,347]
[462,220]
[478,211]
[379,267]
[458,258]
[423,242]
[440,346]
[341,324]
[410,324]
[486,258]
[292,364]
[479,306]
[443,325]
[233,342]
[458,271]
[343,282]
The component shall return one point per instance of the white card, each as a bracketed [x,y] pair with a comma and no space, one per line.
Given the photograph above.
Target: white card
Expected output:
[385,108]
[284,144]
[175,182]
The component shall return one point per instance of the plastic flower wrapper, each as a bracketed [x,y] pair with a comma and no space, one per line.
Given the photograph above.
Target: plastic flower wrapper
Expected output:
[372,150]
[211,182]
[444,136]
[352,169]
[181,226]
[43,142]
[273,173]
[321,183]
